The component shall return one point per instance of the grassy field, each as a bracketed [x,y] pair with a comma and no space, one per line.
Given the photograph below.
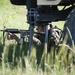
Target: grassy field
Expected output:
[13,57]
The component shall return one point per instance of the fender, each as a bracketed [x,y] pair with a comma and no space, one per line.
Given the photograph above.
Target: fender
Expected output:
[18,2]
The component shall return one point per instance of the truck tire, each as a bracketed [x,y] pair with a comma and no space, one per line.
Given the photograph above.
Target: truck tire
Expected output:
[69,28]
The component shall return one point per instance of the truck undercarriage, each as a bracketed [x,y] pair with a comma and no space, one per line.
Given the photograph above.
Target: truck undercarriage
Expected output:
[42,12]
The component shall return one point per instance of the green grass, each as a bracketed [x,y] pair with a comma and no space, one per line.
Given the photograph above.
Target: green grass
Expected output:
[13,57]
[13,16]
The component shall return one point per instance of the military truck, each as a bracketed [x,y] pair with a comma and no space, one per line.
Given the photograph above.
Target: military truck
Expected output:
[46,11]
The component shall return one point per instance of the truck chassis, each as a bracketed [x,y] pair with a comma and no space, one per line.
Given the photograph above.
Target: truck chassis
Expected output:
[42,15]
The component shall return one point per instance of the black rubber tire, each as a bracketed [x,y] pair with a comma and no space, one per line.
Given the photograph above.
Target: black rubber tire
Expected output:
[70,26]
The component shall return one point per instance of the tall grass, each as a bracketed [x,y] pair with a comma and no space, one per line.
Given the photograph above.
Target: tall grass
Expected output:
[13,57]
[30,66]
